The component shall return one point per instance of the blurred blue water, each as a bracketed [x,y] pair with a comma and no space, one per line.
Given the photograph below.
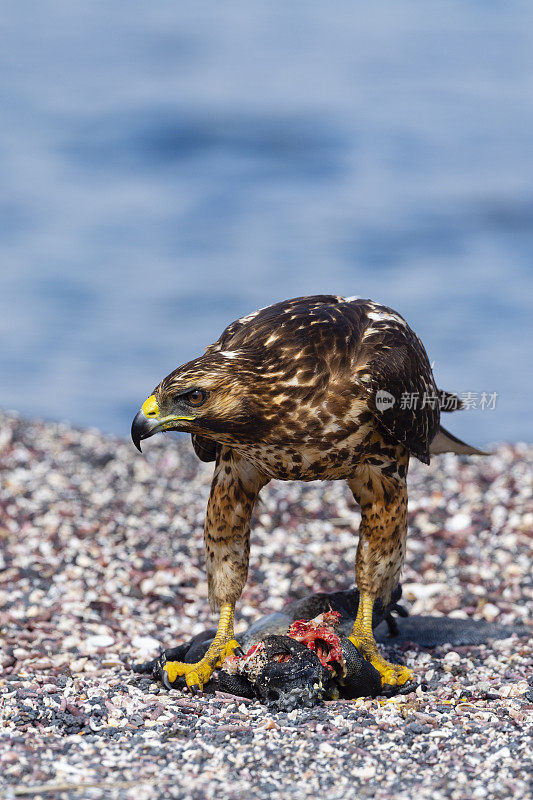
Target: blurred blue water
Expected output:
[168,167]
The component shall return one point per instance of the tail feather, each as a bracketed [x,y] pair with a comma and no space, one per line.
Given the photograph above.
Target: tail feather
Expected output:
[446,442]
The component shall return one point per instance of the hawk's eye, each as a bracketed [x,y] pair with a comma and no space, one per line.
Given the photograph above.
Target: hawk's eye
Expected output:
[196,397]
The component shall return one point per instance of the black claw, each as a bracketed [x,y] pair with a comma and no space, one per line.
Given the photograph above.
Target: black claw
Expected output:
[165,680]
[194,690]
[403,612]
[392,625]
[239,652]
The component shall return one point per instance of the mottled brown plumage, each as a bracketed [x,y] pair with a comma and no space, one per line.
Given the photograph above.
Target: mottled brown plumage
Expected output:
[293,392]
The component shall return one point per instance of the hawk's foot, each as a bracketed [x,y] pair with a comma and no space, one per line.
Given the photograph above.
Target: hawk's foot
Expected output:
[223,645]
[197,675]
[391,674]
[363,638]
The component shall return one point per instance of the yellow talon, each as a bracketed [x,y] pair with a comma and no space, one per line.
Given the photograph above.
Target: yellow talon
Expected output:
[231,646]
[223,645]
[363,638]
[391,674]
[199,673]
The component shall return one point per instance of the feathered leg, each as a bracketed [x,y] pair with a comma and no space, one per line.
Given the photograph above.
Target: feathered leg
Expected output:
[236,484]
[380,489]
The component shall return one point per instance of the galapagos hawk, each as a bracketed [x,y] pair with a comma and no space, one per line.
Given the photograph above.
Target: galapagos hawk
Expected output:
[314,388]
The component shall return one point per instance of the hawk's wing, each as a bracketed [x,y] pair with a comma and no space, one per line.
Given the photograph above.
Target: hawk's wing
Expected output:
[396,364]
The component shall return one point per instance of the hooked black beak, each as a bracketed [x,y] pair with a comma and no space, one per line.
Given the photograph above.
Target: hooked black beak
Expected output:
[149,421]
[142,428]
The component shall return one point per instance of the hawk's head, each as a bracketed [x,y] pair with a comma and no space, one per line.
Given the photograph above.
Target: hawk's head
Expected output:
[214,396]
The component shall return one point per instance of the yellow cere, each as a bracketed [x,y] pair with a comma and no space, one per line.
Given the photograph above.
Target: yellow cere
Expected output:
[150,407]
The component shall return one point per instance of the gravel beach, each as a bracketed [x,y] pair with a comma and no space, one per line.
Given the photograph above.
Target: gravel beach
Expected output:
[101,565]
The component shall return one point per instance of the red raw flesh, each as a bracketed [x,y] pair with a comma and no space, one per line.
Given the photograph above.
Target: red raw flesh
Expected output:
[234,664]
[253,649]
[320,637]
[317,634]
